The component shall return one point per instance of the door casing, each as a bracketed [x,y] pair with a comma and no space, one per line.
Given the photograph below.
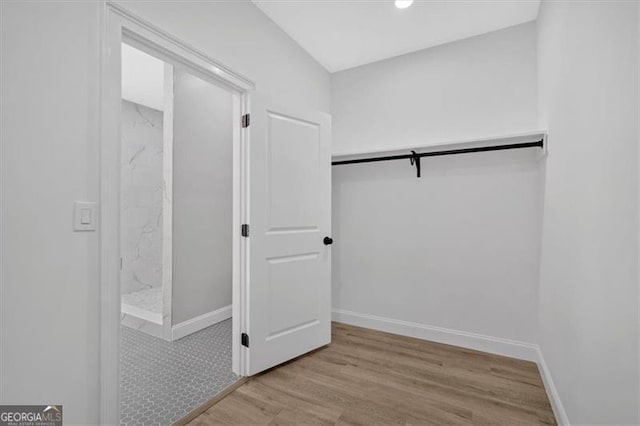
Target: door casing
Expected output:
[119,25]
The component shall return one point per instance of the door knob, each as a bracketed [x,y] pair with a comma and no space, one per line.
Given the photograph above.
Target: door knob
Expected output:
[327,241]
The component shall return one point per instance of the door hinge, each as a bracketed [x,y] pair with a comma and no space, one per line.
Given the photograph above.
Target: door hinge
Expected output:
[245,230]
[245,339]
[246,120]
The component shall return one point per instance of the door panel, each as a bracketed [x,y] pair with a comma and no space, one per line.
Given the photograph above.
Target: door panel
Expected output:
[289,285]
[292,173]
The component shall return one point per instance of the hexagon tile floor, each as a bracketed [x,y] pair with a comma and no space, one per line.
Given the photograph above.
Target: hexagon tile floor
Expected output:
[162,381]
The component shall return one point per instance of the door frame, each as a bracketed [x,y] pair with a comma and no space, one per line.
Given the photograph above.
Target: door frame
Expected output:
[118,25]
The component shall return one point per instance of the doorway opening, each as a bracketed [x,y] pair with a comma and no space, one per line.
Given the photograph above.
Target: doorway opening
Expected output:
[176,238]
[178,325]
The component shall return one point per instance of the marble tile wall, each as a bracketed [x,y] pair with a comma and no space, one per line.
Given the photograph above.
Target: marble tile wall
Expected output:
[141,202]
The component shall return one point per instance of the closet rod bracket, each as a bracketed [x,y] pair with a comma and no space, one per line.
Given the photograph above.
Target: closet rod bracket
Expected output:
[415,160]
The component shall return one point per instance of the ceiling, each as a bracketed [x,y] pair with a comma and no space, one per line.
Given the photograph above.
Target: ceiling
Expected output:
[142,78]
[349,33]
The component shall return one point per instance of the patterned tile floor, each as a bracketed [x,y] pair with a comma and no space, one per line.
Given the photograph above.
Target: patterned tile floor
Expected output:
[162,381]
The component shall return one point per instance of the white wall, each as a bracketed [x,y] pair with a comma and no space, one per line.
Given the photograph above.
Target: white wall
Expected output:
[459,247]
[50,293]
[589,282]
[240,36]
[482,86]
[142,78]
[202,197]
[50,278]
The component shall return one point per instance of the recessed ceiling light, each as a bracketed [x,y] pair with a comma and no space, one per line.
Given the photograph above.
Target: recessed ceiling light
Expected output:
[403,4]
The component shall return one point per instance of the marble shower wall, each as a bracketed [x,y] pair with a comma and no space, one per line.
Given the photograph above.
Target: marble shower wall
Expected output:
[141,202]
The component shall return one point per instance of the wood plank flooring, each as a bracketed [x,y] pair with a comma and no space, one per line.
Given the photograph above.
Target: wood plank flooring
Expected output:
[369,377]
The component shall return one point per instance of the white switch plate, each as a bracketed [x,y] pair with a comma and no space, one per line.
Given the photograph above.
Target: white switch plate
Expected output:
[84,216]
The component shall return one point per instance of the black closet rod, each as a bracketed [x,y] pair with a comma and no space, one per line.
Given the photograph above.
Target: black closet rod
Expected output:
[414,157]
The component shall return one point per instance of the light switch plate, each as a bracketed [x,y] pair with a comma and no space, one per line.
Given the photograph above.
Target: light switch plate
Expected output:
[84,216]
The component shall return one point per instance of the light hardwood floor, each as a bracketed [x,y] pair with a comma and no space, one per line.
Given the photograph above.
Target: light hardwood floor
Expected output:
[369,377]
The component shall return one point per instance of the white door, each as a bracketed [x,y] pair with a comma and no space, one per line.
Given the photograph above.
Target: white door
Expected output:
[289,283]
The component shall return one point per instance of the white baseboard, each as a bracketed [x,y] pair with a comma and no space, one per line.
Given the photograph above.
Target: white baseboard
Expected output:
[154,317]
[198,323]
[141,324]
[552,393]
[479,342]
